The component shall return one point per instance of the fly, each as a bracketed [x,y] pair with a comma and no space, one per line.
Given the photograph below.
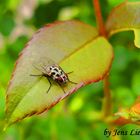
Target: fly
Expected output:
[56,73]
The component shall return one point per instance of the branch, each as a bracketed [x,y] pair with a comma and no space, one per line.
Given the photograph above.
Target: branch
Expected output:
[107,95]
[99,18]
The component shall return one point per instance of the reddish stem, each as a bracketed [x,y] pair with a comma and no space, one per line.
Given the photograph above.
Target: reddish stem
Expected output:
[99,18]
[107,102]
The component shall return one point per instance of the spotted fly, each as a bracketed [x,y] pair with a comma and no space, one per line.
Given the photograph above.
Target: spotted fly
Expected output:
[56,73]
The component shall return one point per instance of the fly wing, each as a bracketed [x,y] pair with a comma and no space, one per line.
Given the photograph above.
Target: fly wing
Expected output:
[41,64]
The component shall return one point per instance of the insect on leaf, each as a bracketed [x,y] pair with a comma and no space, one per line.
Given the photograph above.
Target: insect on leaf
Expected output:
[75,47]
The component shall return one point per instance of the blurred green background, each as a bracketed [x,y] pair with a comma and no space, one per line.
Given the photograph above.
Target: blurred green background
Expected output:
[75,117]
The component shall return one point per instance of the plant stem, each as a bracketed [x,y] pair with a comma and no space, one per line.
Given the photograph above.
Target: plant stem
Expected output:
[99,19]
[107,95]
[107,99]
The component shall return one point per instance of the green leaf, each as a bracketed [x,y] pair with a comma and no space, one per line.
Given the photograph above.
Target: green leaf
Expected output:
[125,17]
[137,37]
[73,45]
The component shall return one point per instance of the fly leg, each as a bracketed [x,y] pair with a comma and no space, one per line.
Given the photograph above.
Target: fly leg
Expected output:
[49,85]
[70,72]
[61,87]
[70,80]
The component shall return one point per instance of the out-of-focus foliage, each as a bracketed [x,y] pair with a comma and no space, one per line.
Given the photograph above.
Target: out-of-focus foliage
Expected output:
[75,117]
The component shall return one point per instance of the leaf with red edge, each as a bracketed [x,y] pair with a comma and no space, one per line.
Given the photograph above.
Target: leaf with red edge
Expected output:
[129,115]
[73,45]
[135,111]
[124,17]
